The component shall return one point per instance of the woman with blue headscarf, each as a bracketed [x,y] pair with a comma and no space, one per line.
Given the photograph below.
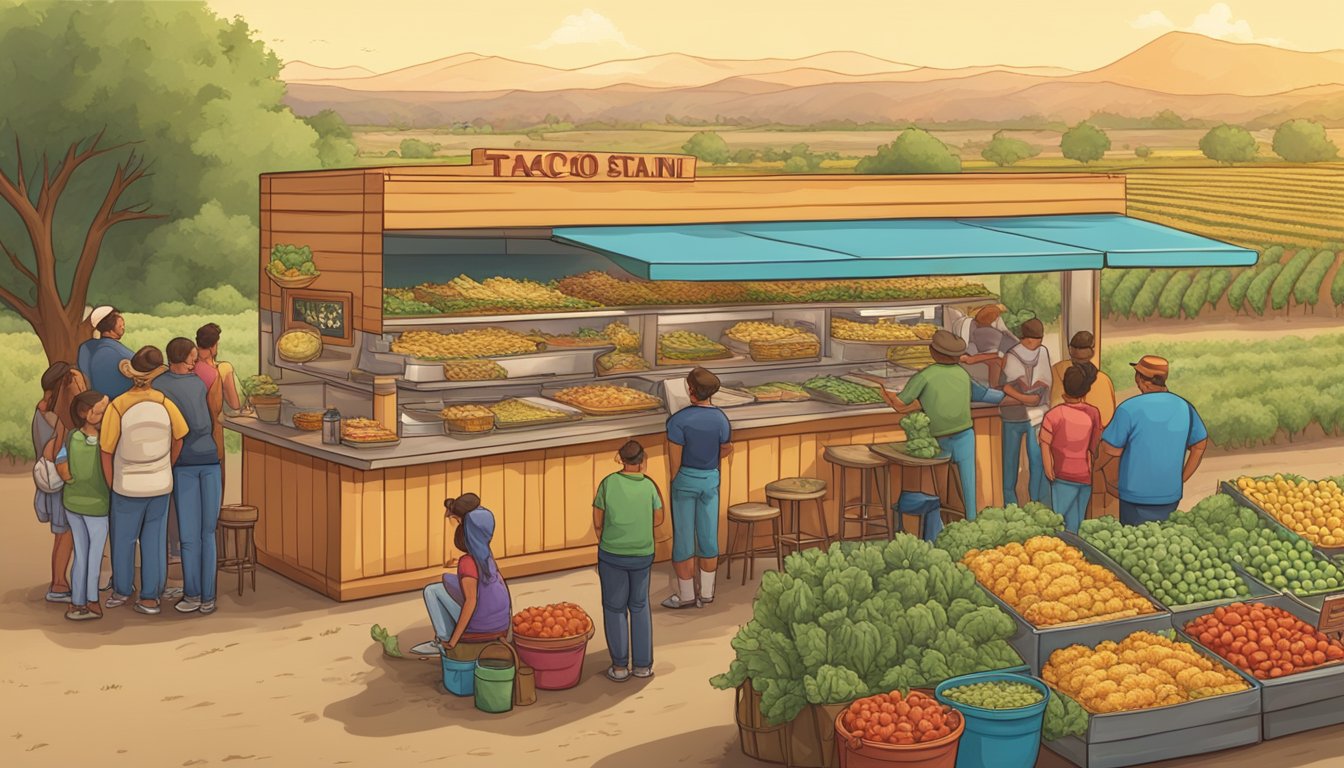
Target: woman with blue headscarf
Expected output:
[472,605]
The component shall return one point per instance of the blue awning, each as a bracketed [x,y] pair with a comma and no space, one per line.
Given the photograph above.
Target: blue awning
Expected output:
[802,250]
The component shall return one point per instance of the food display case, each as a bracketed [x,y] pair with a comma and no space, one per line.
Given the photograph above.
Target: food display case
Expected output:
[437,294]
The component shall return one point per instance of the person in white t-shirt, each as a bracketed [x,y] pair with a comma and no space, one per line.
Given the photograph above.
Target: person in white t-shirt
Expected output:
[1026,372]
[141,438]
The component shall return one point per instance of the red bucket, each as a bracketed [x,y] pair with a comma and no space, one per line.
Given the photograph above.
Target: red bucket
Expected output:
[557,662]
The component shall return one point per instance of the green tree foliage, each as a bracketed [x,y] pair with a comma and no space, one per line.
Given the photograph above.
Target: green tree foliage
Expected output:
[1146,302]
[201,96]
[1110,280]
[335,147]
[1167,120]
[1282,287]
[1038,292]
[1337,288]
[1258,294]
[1219,280]
[1128,290]
[1197,294]
[1085,143]
[914,151]
[796,165]
[1307,291]
[745,156]
[1304,141]
[1228,144]
[415,149]
[1004,150]
[709,147]
[1169,301]
[1143,152]
[1236,291]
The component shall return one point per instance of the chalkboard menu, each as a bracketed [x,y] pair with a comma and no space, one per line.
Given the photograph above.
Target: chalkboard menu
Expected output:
[328,312]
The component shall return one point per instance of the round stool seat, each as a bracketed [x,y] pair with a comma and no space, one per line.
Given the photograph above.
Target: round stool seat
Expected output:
[854,457]
[238,513]
[752,512]
[796,489]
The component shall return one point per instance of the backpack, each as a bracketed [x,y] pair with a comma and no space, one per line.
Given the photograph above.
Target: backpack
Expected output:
[45,476]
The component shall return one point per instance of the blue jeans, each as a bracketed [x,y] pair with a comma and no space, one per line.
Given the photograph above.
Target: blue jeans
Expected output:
[961,448]
[143,520]
[1138,514]
[1070,501]
[626,617]
[198,492]
[445,609]
[695,514]
[90,534]
[1014,432]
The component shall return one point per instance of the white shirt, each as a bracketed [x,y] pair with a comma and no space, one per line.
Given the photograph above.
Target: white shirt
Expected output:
[1023,368]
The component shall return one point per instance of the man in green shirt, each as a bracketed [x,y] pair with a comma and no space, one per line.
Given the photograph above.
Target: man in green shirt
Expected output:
[627,508]
[945,392]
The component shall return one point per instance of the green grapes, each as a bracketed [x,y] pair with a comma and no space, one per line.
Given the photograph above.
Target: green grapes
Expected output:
[996,694]
[1171,561]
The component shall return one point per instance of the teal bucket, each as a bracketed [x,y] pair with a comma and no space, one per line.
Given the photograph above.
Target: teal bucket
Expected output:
[459,676]
[494,679]
[998,738]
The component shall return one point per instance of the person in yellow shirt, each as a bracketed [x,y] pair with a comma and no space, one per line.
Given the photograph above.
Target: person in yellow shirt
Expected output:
[140,441]
[1082,348]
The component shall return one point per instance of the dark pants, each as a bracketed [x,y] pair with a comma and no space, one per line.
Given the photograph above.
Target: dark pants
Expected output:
[1138,514]
[625,607]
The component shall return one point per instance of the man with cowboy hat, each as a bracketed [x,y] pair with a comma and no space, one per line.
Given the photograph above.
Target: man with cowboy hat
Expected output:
[100,358]
[1159,439]
[141,439]
[944,391]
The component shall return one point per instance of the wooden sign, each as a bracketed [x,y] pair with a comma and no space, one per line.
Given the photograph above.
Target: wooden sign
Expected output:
[1332,615]
[583,166]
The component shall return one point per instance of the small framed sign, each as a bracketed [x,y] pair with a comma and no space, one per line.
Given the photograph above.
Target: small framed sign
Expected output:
[1332,615]
[327,311]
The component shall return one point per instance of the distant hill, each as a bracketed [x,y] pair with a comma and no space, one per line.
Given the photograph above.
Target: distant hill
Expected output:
[1192,75]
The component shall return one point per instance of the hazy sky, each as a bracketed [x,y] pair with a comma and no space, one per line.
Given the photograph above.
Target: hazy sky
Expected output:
[1080,34]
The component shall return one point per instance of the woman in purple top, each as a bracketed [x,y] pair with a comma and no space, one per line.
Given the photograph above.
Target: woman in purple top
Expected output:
[474,603]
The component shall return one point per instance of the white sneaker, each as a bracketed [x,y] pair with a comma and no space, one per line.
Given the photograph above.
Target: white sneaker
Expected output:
[618,674]
[188,605]
[675,602]
[207,607]
[58,597]
[643,673]
[116,601]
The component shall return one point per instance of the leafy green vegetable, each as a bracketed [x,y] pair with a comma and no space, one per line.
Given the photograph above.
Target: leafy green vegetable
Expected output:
[292,256]
[1063,717]
[389,642]
[996,526]
[862,618]
[919,442]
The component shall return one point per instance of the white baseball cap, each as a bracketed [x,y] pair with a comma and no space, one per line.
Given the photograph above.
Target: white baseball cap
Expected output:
[99,314]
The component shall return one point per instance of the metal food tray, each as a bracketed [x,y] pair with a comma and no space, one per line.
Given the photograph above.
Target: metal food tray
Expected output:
[643,385]
[827,397]
[550,362]
[1035,644]
[1310,600]
[571,415]
[1299,702]
[1258,589]
[369,445]
[1118,739]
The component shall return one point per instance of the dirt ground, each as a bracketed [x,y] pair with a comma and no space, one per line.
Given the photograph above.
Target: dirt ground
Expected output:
[289,677]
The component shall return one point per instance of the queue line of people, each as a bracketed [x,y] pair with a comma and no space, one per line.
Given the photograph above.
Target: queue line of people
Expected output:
[124,434]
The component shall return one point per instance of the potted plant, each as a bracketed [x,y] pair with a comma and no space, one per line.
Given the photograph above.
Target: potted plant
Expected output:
[263,394]
[291,266]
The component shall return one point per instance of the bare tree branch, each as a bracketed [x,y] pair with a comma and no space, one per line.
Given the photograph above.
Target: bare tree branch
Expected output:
[18,264]
[23,177]
[24,309]
[108,216]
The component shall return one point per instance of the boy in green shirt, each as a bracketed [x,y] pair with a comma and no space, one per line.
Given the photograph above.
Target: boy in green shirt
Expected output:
[627,508]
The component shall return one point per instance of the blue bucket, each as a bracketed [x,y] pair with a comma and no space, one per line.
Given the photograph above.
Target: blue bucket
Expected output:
[998,738]
[459,677]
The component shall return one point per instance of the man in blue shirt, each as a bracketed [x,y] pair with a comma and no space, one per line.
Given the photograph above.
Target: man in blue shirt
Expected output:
[100,358]
[1151,434]
[700,436]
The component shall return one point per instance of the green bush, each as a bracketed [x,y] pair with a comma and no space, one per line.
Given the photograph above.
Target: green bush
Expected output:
[1236,292]
[1219,281]
[709,147]
[1308,288]
[1337,288]
[1228,144]
[1169,303]
[417,149]
[24,362]
[1145,304]
[1110,279]
[1127,290]
[1005,150]
[1304,141]
[1038,292]
[914,151]
[1197,294]
[1258,293]
[1282,288]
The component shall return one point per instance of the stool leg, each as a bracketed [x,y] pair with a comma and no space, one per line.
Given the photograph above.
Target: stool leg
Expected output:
[825,529]
[884,475]
[240,549]
[732,528]
[777,527]
[749,555]
[252,559]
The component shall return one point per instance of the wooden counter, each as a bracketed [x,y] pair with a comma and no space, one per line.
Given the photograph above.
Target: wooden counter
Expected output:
[378,528]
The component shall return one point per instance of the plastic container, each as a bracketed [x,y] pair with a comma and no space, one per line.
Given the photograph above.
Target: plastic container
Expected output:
[557,663]
[856,752]
[998,738]
[458,675]
[494,675]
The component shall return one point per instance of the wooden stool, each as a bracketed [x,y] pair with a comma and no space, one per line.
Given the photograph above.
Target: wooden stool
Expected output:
[895,453]
[793,491]
[874,476]
[749,515]
[237,523]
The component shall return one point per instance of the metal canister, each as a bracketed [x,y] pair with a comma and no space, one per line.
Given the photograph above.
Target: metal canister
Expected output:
[331,427]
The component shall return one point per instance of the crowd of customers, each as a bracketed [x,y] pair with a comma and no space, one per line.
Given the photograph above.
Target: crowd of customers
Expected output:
[125,439]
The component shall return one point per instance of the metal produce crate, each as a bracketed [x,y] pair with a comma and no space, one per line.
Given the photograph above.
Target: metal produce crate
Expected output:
[1299,702]
[1035,644]
[1258,589]
[1120,739]
[1312,601]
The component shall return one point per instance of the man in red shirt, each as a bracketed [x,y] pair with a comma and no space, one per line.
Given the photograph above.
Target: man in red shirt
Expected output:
[1069,437]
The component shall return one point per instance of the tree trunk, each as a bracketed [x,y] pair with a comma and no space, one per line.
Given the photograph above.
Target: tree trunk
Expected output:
[60,338]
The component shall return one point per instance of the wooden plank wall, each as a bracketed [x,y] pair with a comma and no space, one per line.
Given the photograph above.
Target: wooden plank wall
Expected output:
[339,214]
[353,534]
